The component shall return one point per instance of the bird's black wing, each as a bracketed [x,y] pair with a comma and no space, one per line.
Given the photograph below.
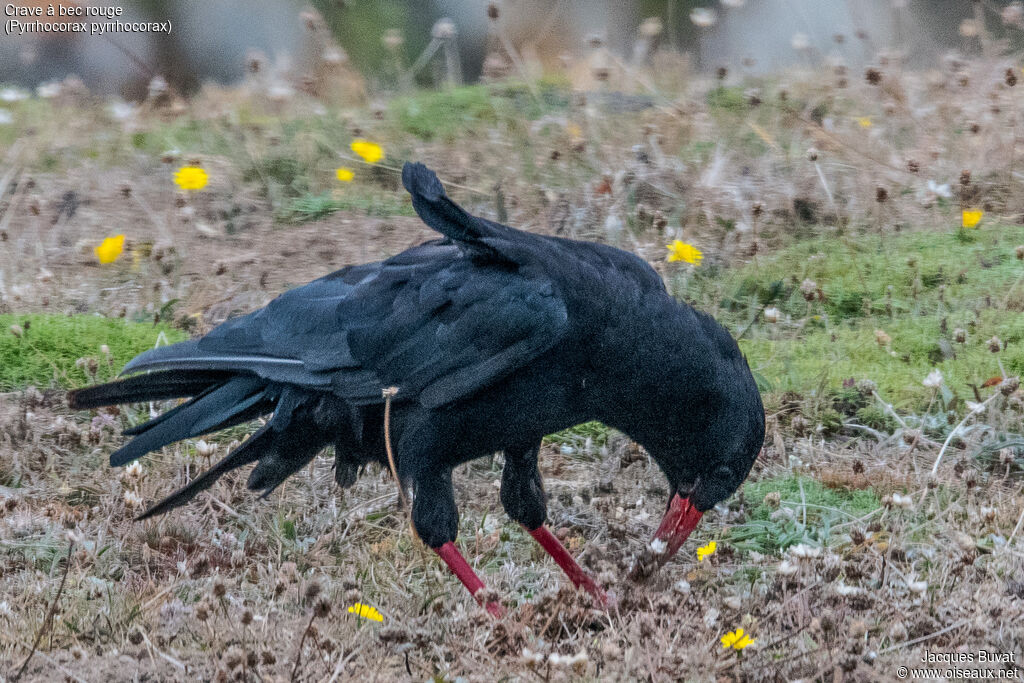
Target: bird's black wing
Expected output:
[439,321]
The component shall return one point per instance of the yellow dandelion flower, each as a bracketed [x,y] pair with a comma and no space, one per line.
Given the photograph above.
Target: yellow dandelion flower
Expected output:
[706,551]
[970,218]
[737,640]
[370,152]
[191,178]
[109,249]
[366,612]
[681,251]
[345,175]
[864,121]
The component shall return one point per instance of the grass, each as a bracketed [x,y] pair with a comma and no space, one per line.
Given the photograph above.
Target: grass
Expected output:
[917,288]
[312,207]
[47,352]
[809,513]
[703,163]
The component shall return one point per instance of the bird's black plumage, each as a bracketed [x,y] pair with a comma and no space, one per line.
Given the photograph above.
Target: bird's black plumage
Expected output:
[493,337]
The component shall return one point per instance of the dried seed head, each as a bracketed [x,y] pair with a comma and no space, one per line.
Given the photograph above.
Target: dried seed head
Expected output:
[960,335]
[881,194]
[219,589]
[965,177]
[1009,385]
[444,29]
[773,499]
[393,39]
[135,637]
[493,11]
[322,609]
[881,338]
[809,288]
[312,591]
[16,330]
[812,154]
[651,27]
[913,166]
[995,344]
[1010,78]
[771,315]
[202,611]
[1020,252]
[246,618]
[873,76]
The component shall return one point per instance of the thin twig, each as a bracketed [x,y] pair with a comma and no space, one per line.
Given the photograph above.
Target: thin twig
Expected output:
[956,430]
[915,641]
[49,615]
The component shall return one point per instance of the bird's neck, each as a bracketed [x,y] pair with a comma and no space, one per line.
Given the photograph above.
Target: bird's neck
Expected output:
[652,365]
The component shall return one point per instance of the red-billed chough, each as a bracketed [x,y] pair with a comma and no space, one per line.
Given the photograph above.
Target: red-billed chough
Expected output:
[489,339]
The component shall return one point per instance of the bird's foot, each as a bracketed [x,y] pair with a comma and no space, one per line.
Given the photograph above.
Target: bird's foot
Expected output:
[576,573]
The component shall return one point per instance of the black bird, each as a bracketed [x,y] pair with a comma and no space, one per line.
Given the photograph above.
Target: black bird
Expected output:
[488,339]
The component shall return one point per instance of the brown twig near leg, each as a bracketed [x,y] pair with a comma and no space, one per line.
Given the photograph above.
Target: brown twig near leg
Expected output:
[49,615]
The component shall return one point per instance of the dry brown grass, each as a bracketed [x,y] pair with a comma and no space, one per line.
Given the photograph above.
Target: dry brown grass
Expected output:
[228,587]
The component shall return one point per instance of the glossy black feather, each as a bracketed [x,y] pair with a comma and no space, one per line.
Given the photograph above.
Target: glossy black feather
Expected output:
[493,337]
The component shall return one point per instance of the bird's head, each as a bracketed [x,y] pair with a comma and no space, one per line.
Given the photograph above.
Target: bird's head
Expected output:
[712,431]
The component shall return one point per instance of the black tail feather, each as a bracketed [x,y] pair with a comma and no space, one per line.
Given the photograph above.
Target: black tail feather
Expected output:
[243,455]
[199,416]
[156,386]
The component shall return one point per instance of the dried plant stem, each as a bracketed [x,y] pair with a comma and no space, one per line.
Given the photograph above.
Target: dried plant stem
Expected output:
[49,615]
[302,642]
[956,430]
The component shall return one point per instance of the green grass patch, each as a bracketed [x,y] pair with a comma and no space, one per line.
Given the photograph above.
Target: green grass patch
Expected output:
[810,511]
[45,354]
[312,207]
[917,288]
[577,436]
[444,115]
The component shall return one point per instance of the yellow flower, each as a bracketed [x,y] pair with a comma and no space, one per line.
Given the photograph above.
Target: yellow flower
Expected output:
[737,640]
[970,218]
[706,551]
[110,249]
[191,178]
[345,175]
[864,121]
[370,152]
[366,612]
[681,251]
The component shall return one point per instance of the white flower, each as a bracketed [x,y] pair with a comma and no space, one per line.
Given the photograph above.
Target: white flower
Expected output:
[205,449]
[577,659]
[681,586]
[934,379]
[771,315]
[846,591]
[918,587]
[787,568]
[120,111]
[802,551]
[800,41]
[940,190]
[659,546]
[48,90]
[703,17]
[132,499]
[134,470]
[531,657]
[12,95]
[901,501]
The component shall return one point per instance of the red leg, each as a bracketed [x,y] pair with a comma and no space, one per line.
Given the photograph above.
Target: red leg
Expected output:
[457,563]
[576,574]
